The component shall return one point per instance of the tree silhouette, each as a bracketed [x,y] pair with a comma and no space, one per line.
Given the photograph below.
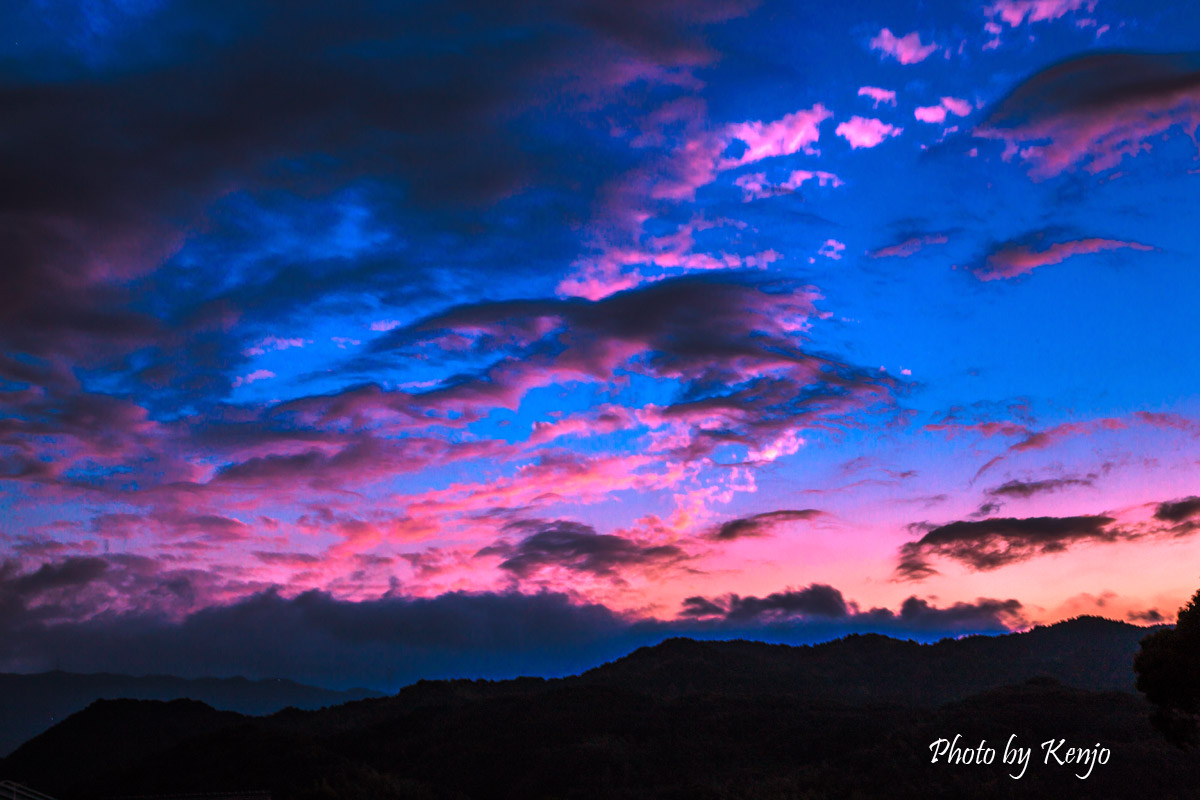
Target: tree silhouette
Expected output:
[1168,668]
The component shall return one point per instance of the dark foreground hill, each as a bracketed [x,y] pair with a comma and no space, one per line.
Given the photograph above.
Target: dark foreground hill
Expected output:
[685,719]
[29,704]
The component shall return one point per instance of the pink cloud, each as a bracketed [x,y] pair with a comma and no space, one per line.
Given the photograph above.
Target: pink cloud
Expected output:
[700,157]
[1014,260]
[931,114]
[905,49]
[676,176]
[605,419]
[677,250]
[956,106]
[832,249]
[866,132]
[877,95]
[1015,12]
[792,133]
[788,443]
[556,477]
[256,375]
[937,114]
[271,343]
[755,185]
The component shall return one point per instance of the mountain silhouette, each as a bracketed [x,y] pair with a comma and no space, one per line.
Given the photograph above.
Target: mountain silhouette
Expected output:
[29,704]
[685,719]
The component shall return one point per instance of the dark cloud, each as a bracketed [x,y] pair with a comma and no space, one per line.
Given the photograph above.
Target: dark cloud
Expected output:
[314,637]
[1026,489]
[1088,113]
[393,640]
[72,572]
[986,509]
[577,547]
[701,607]
[78,588]
[225,130]
[992,543]
[732,339]
[681,324]
[816,600]
[1183,515]
[1178,510]
[819,606]
[983,614]
[761,524]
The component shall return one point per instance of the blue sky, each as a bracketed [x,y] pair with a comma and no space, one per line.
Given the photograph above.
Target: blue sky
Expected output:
[715,318]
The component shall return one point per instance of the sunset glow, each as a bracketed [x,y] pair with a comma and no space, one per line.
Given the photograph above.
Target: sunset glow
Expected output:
[360,343]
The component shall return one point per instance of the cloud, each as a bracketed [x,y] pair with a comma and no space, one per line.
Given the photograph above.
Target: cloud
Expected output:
[272,343]
[1178,510]
[1092,112]
[761,524]
[1040,440]
[1183,515]
[1016,12]
[556,477]
[984,614]
[832,249]
[756,186]
[76,589]
[878,95]
[701,607]
[597,422]
[314,637]
[363,459]
[905,49]
[909,246]
[932,114]
[692,156]
[793,133]
[817,600]
[1013,259]
[820,607]
[956,106]
[256,375]
[232,151]
[866,132]
[989,544]
[733,343]
[1167,421]
[937,114]
[1027,489]
[393,640]
[576,547]
[1033,440]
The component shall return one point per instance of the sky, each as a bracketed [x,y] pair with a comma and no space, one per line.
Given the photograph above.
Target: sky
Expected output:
[366,342]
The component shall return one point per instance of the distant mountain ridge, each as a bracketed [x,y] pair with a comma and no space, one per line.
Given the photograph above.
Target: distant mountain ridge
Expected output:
[1086,652]
[30,704]
[684,718]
